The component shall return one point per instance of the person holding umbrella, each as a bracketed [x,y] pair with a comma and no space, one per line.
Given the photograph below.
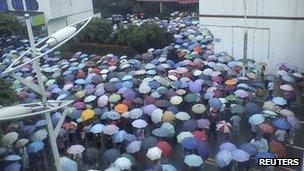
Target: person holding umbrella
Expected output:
[236,124]
[212,128]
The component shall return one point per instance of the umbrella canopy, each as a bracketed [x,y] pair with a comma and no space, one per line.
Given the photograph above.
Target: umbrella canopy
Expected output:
[181,136]
[87,114]
[12,157]
[110,129]
[21,142]
[281,123]
[13,167]
[190,125]
[238,109]
[75,149]
[114,98]
[193,160]
[154,153]
[286,112]
[198,108]
[223,158]
[149,142]
[256,119]
[249,148]
[294,122]
[286,87]
[121,108]
[157,115]
[123,163]
[168,167]
[176,100]
[203,123]
[39,135]
[264,155]
[278,148]
[231,97]
[200,135]
[165,147]
[266,128]
[240,155]
[97,128]
[35,147]
[9,138]
[111,155]
[279,101]
[168,116]
[241,93]
[134,147]
[169,128]
[189,143]
[252,108]
[183,116]
[159,132]
[215,103]
[228,146]
[139,123]
[223,127]
[119,136]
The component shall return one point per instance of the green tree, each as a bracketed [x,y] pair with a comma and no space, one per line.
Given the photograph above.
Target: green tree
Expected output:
[7,95]
[9,25]
[97,31]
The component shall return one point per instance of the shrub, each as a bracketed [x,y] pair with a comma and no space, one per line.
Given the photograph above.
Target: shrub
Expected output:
[9,25]
[7,95]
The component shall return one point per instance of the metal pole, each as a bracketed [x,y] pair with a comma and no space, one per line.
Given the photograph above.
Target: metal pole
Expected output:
[245,38]
[24,5]
[160,7]
[37,69]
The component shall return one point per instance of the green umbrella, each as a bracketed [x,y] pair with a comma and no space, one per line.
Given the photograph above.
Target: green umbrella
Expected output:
[162,90]
[238,109]
[198,108]
[190,97]
[169,129]
[114,98]
[232,98]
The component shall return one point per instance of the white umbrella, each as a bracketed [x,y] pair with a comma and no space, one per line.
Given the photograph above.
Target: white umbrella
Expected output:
[136,113]
[21,142]
[183,116]
[39,135]
[134,147]
[75,149]
[12,157]
[223,158]
[176,100]
[156,116]
[198,108]
[9,138]
[181,136]
[67,164]
[139,123]
[97,128]
[193,160]
[240,155]
[154,153]
[110,129]
[123,163]
[144,89]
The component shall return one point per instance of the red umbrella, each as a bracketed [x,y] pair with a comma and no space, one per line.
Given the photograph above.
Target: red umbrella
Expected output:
[200,135]
[278,148]
[266,128]
[165,147]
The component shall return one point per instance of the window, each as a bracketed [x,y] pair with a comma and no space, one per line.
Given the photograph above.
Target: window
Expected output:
[32,5]
[17,5]
[3,6]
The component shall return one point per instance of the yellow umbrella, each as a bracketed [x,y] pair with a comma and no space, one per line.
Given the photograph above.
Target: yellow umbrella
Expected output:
[80,94]
[168,116]
[87,114]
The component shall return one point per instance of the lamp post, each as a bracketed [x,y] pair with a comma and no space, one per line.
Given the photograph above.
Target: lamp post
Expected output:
[245,38]
[45,107]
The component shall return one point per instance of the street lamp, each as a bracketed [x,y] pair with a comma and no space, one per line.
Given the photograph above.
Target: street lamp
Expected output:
[53,41]
[245,38]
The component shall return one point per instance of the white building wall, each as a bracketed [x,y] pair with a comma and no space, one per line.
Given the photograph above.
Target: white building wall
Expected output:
[269,40]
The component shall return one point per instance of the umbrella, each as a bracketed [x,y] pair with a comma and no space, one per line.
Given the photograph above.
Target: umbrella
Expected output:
[13,167]
[198,108]
[228,146]
[223,126]
[279,101]
[256,119]
[123,163]
[148,109]
[112,168]
[136,113]
[149,142]
[189,143]
[114,98]
[144,89]
[111,115]
[119,136]
[266,128]
[111,155]
[294,122]
[223,158]
[169,128]
[281,123]
[240,155]
[159,132]
[121,108]
[110,129]
[231,82]
[193,160]
[87,114]
[183,116]
[139,123]
[176,100]
[168,116]
[269,113]
[12,157]
[286,112]
[269,105]
[203,123]
[134,147]
[231,97]
[9,138]
[190,125]
[252,108]
[35,147]
[264,155]
[165,148]
[238,109]
[21,142]
[249,148]
[41,123]
[215,103]
[278,148]
[102,101]
[286,87]
[156,116]
[39,135]
[97,128]
[241,93]
[181,136]
[168,167]
[190,98]
[154,153]
[200,135]
[75,149]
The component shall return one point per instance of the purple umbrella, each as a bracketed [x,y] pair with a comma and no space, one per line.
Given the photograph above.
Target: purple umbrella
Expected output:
[89,89]
[203,123]
[99,91]
[228,146]
[195,87]
[79,105]
[249,148]
[129,94]
[202,149]
[190,125]
[189,143]
[110,87]
[13,167]
[148,109]
[294,122]
[102,101]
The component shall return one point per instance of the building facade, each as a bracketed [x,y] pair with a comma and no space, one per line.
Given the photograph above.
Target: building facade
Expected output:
[57,13]
[275,29]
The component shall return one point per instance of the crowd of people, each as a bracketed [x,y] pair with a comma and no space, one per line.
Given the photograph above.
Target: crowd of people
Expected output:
[168,109]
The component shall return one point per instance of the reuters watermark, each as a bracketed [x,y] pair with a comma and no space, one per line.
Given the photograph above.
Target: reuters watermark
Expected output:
[279,162]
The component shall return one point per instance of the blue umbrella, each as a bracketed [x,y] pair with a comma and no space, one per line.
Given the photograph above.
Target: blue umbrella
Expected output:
[41,123]
[202,148]
[228,146]
[252,108]
[13,167]
[215,103]
[189,143]
[35,146]
[281,123]
[266,155]
[190,125]
[159,132]
[249,148]
[279,101]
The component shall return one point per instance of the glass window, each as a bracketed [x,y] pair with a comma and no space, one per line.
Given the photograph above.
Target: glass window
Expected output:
[3,5]
[17,5]
[32,5]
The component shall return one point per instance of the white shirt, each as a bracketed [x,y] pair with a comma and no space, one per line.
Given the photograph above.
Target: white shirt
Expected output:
[261,145]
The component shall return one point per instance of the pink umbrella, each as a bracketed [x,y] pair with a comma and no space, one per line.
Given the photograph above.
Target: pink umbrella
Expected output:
[241,93]
[75,149]
[102,101]
[79,105]
[110,129]
[286,87]
[203,123]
